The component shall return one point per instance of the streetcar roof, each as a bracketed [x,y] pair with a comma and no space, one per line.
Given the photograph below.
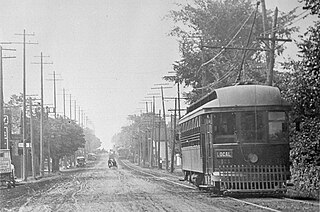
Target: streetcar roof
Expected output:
[241,96]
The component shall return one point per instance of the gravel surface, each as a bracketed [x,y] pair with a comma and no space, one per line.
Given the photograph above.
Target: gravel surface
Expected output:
[126,188]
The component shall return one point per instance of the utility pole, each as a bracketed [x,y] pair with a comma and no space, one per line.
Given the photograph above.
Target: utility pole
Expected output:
[70,106]
[174,135]
[79,116]
[165,124]
[159,149]
[265,29]
[64,103]
[3,144]
[41,114]
[75,111]
[54,92]
[153,132]
[33,159]
[55,115]
[165,130]
[24,119]
[272,47]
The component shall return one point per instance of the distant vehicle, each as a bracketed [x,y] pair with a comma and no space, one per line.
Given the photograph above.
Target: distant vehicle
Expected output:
[112,162]
[236,140]
[81,161]
[92,156]
[7,173]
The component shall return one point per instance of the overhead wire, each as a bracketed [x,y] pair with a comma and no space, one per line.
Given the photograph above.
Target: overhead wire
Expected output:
[232,39]
[288,23]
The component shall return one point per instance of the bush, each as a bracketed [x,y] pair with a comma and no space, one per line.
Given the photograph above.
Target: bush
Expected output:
[305,157]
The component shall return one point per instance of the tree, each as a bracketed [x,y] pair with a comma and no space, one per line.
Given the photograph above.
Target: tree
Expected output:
[65,137]
[302,89]
[208,23]
[92,142]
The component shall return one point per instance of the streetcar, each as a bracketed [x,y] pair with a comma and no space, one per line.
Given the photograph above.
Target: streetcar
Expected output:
[236,140]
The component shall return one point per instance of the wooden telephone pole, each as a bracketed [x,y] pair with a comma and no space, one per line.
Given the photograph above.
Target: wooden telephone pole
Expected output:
[3,144]
[270,42]
[42,113]
[24,119]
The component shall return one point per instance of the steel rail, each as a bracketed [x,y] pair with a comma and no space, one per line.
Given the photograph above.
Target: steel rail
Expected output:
[161,178]
[231,198]
[253,204]
[301,201]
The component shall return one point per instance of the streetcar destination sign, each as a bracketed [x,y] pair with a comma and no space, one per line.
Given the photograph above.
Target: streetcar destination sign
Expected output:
[224,153]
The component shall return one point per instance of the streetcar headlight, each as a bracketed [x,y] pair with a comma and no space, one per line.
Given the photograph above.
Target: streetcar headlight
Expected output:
[253,158]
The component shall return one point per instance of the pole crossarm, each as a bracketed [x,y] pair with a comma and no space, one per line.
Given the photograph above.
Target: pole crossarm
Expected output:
[182,109]
[150,97]
[9,57]
[235,48]
[161,87]
[276,39]
[9,49]
[42,63]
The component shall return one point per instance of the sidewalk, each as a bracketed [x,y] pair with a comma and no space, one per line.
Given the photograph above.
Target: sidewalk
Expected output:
[30,179]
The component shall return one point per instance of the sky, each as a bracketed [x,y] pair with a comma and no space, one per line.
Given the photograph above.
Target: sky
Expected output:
[107,54]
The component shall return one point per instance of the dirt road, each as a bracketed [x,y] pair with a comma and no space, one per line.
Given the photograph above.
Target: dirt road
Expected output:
[99,188]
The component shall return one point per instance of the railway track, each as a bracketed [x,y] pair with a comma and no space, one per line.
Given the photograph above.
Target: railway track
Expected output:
[264,204]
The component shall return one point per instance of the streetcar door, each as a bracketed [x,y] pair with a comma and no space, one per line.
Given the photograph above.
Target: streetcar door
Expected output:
[208,139]
[206,143]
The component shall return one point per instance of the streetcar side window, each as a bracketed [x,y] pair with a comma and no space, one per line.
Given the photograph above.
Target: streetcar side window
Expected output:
[277,126]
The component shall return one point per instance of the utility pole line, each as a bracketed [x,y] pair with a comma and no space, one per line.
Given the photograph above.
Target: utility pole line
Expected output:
[24,121]
[55,115]
[165,124]
[41,114]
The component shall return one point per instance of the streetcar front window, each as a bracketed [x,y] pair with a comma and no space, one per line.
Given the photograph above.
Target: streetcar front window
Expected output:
[277,126]
[252,127]
[224,127]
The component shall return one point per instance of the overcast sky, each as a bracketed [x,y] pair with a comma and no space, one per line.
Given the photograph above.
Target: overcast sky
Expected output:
[108,53]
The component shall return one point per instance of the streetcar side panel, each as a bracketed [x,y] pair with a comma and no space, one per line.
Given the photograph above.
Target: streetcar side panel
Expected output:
[191,159]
